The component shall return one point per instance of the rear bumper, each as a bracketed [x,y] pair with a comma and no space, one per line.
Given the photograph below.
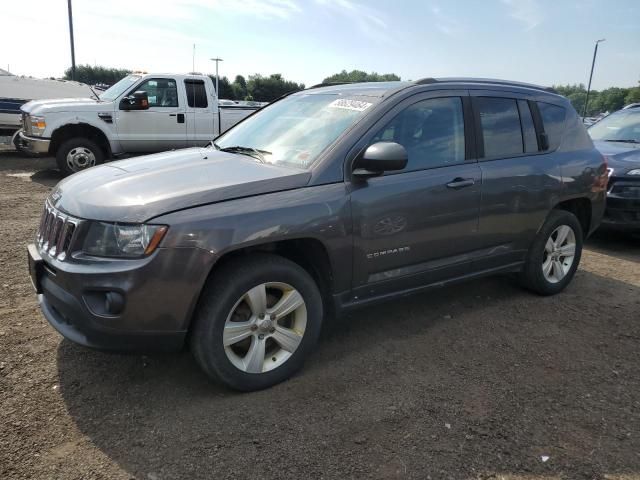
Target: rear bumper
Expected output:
[34,145]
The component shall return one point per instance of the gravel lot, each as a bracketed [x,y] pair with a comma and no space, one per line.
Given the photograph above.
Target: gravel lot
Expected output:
[482,380]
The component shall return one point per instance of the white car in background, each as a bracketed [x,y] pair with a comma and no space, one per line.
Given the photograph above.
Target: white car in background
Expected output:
[141,113]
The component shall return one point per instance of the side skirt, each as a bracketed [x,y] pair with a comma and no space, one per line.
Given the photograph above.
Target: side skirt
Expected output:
[343,306]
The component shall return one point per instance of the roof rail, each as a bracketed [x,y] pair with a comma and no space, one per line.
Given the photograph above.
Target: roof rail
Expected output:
[430,81]
[328,84]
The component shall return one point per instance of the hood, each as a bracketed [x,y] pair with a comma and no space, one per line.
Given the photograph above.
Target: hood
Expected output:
[138,189]
[620,155]
[40,107]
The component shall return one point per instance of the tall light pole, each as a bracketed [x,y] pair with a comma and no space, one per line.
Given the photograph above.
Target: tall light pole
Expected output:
[73,52]
[593,63]
[217,60]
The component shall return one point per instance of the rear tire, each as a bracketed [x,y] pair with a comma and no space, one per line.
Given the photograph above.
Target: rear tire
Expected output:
[77,154]
[554,255]
[257,320]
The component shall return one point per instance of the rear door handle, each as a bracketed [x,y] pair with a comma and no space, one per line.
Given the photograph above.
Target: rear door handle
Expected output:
[457,183]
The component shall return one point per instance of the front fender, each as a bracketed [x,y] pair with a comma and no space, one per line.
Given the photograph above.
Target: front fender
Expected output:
[321,213]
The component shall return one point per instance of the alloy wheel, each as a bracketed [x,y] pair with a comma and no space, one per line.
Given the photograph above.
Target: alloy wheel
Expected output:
[265,327]
[559,254]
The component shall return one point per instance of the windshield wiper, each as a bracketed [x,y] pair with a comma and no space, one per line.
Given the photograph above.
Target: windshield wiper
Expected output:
[626,140]
[249,151]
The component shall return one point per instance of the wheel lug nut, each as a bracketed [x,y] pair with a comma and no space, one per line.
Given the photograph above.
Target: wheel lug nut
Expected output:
[261,336]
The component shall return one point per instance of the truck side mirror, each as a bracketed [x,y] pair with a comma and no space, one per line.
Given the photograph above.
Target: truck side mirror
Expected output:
[137,101]
[379,158]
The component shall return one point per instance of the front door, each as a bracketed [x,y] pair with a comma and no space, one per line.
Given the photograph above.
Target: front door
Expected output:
[417,226]
[161,127]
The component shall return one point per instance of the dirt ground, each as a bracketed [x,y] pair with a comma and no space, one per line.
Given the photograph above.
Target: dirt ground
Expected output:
[482,380]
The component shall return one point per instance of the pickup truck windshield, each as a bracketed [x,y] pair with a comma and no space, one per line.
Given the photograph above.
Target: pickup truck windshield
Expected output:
[622,126]
[113,92]
[295,130]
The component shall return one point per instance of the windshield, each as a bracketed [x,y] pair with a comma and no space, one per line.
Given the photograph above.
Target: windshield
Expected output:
[295,130]
[619,126]
[117,89]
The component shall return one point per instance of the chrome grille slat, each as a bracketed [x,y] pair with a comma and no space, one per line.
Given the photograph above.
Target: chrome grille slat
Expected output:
[56,232]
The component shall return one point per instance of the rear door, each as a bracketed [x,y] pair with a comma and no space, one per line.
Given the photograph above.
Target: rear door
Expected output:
[417,226]
[519,180]
[199,113]
[162,126]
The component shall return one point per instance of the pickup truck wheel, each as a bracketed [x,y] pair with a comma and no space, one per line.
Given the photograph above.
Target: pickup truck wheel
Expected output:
[257,320]
[78,154]
[554,256]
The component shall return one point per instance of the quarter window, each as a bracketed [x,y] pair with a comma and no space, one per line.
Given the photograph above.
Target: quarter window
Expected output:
[528,129]
[196,93]
[162,92]
[432,132]
[553,121]
[500,127]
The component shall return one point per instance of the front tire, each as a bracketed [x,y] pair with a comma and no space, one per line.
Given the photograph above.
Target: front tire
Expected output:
[554,255]
[77,154]
[257,320]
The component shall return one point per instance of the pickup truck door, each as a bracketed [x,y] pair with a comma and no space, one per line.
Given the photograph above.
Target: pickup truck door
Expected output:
[418,226]
[162,126]
[201,113]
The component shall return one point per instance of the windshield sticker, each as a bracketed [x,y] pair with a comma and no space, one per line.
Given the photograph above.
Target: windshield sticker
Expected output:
[346,104]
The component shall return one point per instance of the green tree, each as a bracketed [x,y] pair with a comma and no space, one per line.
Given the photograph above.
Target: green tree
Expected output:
[97,74]
[360,76]
[226,90]
[268,89]
[633,95]
[239,88]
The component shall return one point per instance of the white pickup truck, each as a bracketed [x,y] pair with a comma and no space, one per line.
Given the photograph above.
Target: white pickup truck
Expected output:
[140,113]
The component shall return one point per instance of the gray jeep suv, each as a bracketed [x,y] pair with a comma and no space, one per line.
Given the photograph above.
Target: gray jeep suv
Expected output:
[328,199]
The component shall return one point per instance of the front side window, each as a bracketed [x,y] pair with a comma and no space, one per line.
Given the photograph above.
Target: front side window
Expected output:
[196,93]
[297,129]
[553,121]
[500,127]
[432,132]
[162,92]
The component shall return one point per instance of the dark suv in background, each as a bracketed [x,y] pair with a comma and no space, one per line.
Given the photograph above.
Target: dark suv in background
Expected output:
[328,199]
[617,136]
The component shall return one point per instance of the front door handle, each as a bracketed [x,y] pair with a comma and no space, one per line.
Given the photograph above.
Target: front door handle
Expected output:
[457,183]
[179,115]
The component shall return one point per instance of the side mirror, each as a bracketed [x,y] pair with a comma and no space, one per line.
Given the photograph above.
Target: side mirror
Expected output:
[137,101]
[379,158]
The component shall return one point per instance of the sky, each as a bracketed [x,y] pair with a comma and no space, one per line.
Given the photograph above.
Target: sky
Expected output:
[539,41]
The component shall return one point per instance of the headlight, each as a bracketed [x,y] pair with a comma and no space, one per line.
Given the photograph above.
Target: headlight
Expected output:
[635,171]
[38,125]
[122,240]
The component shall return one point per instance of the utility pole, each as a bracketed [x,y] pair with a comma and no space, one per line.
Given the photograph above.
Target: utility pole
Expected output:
[73,52]
[593,63]
[217,60]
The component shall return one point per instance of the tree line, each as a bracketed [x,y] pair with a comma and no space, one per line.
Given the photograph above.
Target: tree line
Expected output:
[608,100]
[268,88]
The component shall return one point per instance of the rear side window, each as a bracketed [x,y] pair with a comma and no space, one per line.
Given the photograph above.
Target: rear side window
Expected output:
[432,132]
[501,130]
[528,130]
[196,93]
[553,122]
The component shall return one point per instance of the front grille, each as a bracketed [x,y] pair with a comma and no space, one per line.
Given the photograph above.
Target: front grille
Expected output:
[56,232]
